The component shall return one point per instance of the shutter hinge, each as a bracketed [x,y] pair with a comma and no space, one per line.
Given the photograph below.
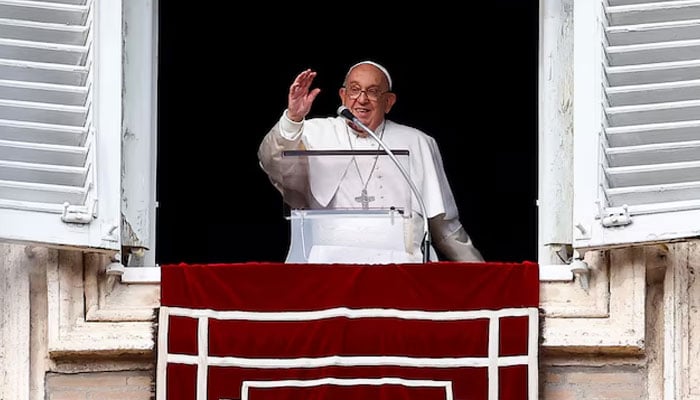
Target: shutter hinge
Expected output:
[614,216]
[78,214]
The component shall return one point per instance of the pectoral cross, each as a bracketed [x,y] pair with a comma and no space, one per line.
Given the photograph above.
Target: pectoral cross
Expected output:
[364,199]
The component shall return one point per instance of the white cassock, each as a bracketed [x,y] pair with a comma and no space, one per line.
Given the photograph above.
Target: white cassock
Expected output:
[338,182]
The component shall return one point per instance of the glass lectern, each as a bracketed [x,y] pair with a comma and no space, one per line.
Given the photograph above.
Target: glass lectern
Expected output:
[348,206]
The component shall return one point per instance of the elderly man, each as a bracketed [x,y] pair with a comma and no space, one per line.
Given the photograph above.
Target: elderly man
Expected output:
[363,182]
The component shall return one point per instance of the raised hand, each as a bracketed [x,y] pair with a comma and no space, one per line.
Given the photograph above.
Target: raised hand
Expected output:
[301,96]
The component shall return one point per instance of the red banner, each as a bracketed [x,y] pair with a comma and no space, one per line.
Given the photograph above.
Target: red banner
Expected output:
[259,331]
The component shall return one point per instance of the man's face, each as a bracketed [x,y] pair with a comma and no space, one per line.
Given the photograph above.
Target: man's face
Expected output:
[366,94]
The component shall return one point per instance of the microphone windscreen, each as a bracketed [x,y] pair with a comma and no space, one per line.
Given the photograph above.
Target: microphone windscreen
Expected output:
[345,113]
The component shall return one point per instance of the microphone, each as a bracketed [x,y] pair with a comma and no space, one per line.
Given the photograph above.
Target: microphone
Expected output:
[347,114]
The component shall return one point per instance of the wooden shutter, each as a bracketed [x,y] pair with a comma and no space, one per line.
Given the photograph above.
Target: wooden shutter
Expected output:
[60,113]
[636,121]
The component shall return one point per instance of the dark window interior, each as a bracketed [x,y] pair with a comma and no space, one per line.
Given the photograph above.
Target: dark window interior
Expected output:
[466,76]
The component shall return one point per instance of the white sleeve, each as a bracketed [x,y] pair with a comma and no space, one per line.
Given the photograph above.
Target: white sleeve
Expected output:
[290,179]
[284,135]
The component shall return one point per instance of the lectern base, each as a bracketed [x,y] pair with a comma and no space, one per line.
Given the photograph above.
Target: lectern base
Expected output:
[350,237]
[322,254]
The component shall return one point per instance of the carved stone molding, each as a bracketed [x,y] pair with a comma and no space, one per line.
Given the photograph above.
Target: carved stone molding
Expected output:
[107,299]
[93,315]
[570,300]
[616,328]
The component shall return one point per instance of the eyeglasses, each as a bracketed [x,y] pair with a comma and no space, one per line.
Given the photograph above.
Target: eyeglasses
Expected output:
[372,93]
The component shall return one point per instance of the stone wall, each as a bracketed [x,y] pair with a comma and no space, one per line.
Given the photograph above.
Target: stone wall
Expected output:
[71,331]
[123,385]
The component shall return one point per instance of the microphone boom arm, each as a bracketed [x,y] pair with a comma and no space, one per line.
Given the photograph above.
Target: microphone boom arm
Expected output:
[347,114]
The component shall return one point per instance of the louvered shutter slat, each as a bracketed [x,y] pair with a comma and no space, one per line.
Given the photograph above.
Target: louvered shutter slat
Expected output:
[41,153]
[621,177]
[650,33]
[652,12]
[654,154]
[674,71]
[43,72]
[42,173]
[46,12]
[43,113]
[33,132]
[42,52]
[630,2]
[41,92]
[653,53]
[654,93]
[653,113]
[51,194]
[43,32]
[76,2]
[652,133]
[668,193]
